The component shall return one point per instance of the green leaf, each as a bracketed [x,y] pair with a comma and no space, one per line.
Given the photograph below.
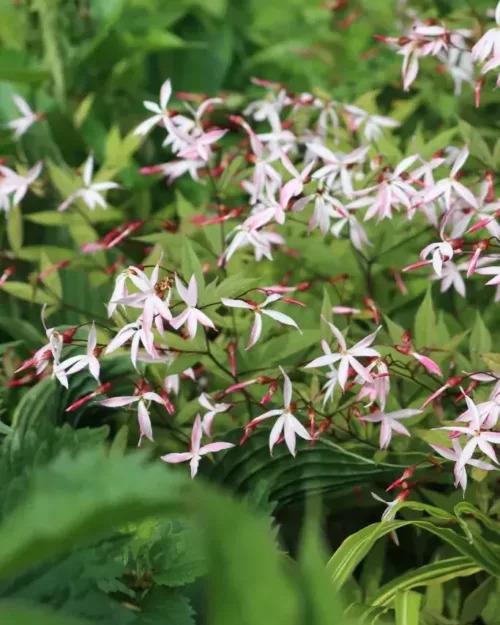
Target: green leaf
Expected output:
[492,361]
[234,286]
[51,281]
[394,329]
[480,340]
[191,265]
[19,329]
[165,606]
[434,573]
[106,10]
[440,141]
[15,232]
[324,468]
[426,322]
[246,580]
[83,110]
[66,505]
[15,614]
[475,602]
[407,606]
[26,292]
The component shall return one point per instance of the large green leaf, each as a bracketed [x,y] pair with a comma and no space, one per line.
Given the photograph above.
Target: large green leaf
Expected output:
[407,606]
[323,468]
[14,614]
[82,498]
[434,573]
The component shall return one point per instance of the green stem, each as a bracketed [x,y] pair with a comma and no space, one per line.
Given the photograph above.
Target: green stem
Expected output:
[47,11]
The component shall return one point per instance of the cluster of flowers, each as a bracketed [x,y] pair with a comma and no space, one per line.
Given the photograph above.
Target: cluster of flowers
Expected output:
[452,49]
[293,172]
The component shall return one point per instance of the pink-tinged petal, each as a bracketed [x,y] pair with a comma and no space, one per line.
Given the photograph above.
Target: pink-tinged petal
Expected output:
[465,194]
[376,417]
[192,324]
[105,186]
[462,156]
[276,432]
[267,415]
[436,191]
[196,435]
[485,466]
[150,396]
[467,453]
[134,349]
[203,319]
[120,339]
[274,297]
[447,453]
[175,458]
[181,319]
[92,340]
[360,370]
[406,413]
[486,448]
[323,361]
[214,447]
[473,412]
[368,340]
[367,352]
[338,335]
[385,434]
[204,400]
[236,303]
[22,106]
[207,423]
[289,190]
[281,318]
[117,402]
[410,70]
[398,427]
[287,388]
[429,364]
[343,372]
[78,366]
[192,292]
[492,437]
[181,290]
[144,127]
[256,331]
[145,428]
[94,367]
[152,107]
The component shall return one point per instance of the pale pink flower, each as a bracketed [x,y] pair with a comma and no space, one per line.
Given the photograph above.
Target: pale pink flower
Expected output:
[160,111]
[89,359]
[91,193]
[249,233]
[489,44]
[191,316]
[145,428]
[197,144]
[213,410]
[477,436]
[454,455]
[451,277]
[197,452]
[490,271]
[370,126]
[268,109]
[177,168]
[326,207]
[378,389]
[338,164]
[441,252]
[389,513]
[154,308]
[450,187]
[27,119]
[18,185]
[295,186]
[286,421]
[137,334]
[348,356]
[389,422]
[171,383]
[259,310]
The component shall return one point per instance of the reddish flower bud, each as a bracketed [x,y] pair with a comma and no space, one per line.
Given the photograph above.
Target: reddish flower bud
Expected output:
[401,482]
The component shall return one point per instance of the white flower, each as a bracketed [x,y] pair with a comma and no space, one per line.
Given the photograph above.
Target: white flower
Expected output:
[27,119]
[191,316]
[12,182]
[489,44]
[286,421]
[258,309]
[197,452]
[213,409]
[137,334]
[441,252]
[143,417]
[347,357]
[389,422]
[160,111]
[91,192]
[77,363]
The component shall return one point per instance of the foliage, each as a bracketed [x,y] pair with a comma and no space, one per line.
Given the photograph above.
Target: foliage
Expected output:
[298,250]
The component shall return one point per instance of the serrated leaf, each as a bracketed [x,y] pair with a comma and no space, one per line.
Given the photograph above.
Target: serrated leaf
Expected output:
[165,606]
